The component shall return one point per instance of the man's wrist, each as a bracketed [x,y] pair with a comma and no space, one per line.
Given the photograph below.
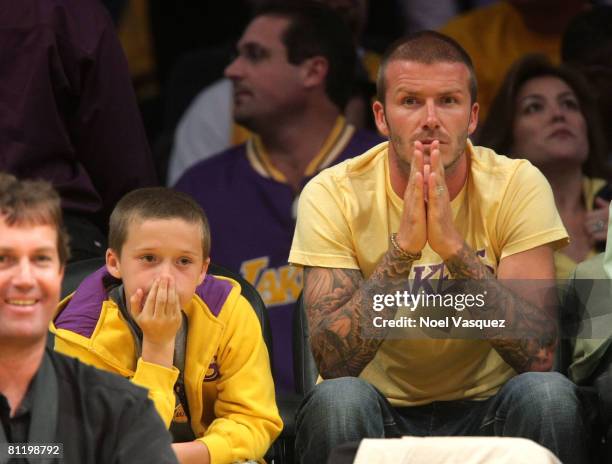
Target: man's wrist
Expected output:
[453,250]
[401,252]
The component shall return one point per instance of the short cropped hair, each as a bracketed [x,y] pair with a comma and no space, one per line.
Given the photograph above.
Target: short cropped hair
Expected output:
[33,202]
[426,47]
[155,203]
[316,30]
[498,129]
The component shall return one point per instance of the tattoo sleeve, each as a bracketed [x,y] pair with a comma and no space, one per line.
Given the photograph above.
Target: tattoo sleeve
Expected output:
[339,308]
[534,349]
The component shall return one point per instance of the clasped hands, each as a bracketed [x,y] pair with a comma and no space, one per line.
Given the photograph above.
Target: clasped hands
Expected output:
[427,215]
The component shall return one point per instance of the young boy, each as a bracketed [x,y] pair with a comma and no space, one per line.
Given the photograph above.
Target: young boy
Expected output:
[154,316]
[45,397]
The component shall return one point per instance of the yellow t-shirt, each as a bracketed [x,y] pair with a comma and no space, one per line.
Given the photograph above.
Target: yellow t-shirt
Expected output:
[345,217]
[495,36]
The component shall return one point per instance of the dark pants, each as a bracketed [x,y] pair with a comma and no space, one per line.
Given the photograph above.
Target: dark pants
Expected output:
[543,407]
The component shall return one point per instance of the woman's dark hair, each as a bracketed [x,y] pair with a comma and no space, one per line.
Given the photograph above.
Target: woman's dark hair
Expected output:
[497,131]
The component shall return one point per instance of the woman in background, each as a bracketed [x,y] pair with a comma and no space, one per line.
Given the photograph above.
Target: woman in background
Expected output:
[544,113]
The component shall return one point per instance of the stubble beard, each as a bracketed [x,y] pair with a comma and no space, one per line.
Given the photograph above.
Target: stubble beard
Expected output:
[461,140]
[401,157]
[242,118]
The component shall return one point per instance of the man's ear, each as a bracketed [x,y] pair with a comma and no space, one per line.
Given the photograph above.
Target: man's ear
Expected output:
[112,263]
[315,71]
[379,118]
[205,265]
[473,118]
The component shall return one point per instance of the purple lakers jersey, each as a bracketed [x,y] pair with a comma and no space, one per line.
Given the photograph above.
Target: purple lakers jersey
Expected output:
[251,210]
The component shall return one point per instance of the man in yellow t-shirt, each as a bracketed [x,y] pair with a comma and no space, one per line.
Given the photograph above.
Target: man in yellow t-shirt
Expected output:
[411,215]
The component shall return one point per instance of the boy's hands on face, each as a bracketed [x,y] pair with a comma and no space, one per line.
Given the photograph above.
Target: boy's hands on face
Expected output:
[159,319]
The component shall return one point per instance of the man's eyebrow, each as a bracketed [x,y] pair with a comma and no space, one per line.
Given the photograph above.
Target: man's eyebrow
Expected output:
[45,249]
[453,90]
[416,91]
[252,46]
[406,89]
[5,249]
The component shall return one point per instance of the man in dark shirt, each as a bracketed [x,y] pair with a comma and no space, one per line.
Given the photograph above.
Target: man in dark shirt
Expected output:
[75,412]
[68,113]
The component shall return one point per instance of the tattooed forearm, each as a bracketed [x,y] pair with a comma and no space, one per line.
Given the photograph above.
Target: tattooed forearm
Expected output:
[534,349]
[339,307]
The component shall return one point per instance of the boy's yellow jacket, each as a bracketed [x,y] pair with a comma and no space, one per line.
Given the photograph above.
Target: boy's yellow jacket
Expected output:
[227,376]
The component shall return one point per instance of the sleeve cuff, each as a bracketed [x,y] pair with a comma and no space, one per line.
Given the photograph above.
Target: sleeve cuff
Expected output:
[154,376]
[218,448]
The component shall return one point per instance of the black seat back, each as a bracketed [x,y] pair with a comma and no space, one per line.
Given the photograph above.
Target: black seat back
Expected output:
[304,366]
[76,272]
[252,296]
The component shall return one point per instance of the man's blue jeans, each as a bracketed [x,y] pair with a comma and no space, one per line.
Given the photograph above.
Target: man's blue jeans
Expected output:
[542,406]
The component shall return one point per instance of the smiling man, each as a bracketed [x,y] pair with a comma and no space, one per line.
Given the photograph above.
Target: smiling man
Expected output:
[410,215]
[79,413]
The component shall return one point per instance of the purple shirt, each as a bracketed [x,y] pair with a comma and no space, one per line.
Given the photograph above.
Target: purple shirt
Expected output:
[252,224]
[68,113]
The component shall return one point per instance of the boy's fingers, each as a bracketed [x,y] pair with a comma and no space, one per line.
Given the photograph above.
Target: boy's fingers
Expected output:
[149,305]
[173,301]
[136,302]
[161,300]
